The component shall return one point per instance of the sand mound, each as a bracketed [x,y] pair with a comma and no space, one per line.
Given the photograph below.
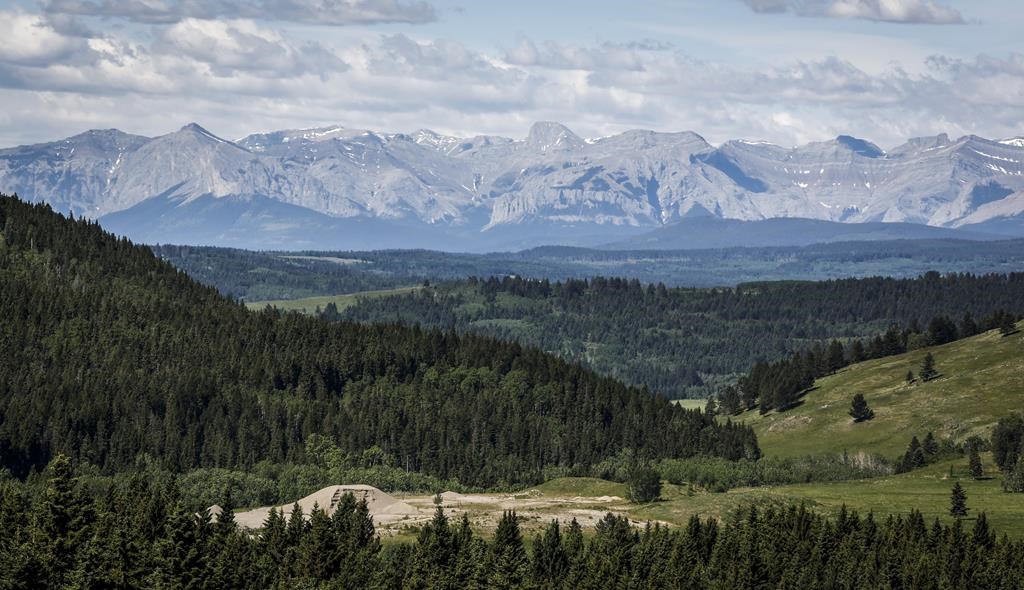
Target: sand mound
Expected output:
[382,506]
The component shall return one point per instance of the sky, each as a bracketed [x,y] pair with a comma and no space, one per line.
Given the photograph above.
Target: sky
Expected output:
[785,71]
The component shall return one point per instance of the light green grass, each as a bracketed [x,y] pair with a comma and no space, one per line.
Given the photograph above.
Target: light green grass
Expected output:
[582,486]
[927,490]
[982,380]
[691,404]
[310,304]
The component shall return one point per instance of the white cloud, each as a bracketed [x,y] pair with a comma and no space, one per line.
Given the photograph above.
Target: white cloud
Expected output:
[568,57]
[29,40]
[238,76]
[890,11]
[315,12]
[229,46]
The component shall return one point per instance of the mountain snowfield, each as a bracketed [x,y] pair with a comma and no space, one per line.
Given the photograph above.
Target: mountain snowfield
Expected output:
[335,187]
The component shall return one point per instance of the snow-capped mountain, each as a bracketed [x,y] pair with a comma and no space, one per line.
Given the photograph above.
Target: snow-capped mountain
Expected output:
[477,192]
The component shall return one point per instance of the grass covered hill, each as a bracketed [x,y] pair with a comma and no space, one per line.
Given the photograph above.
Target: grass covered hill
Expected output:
[980,379]
[108,353]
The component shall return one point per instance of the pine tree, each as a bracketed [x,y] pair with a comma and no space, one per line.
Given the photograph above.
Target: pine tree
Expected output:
[982,535]
[63,521]
[729,401]
[930,446]
[510,564]
[914,458]
[958,501]
[1007,324]
[710,408]
[928,372]
[550,561]
[910,377]
[974,463]
[859,409]
[836,356]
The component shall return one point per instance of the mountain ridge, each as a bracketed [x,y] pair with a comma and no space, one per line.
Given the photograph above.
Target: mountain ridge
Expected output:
[550,183]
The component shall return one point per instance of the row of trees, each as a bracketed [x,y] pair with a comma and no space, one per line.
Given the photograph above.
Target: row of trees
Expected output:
[139,536]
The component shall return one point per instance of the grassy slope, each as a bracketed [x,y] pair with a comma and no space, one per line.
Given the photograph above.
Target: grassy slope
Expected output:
[309,304]
[982,379]
[927,490]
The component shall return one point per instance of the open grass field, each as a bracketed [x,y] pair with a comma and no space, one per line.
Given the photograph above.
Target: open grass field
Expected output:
[981,380]
[310,304]
[692,404]
[926,489]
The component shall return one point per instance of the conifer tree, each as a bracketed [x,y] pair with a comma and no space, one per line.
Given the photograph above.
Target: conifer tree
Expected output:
[550,562]
[1008,441]
[974,463]
[958,501]
[1007,325]
[729,400]
[836,356]
[63,521]
[930,446]
[982,535]
[928,372]
[859,409]
[510,564]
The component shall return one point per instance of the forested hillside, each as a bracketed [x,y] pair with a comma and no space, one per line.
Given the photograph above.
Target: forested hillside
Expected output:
[673,340]
[261,276]
[107,352]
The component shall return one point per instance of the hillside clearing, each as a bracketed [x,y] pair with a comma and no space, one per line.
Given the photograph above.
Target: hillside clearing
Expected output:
[309,305]
[981,380]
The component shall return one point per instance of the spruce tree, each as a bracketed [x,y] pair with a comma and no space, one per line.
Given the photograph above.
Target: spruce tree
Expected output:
[836,356]
[63,521]
[729,402]
[550,561]
[928,372]
[859,409]
[930,446]
[958,501]
[974,463]
[914,458]
[509,562]
[1007,324]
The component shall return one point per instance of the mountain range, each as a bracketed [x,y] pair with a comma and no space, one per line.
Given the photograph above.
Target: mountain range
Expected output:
[339,188]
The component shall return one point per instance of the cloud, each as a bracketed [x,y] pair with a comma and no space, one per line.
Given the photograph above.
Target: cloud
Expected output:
[239,76]
[30,40]
[889,11]
[315,12]
[569,57]
[230,46]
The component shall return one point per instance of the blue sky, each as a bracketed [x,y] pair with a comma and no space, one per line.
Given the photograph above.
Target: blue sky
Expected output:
[787,71]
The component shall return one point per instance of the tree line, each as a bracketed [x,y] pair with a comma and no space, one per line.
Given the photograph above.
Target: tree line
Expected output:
[141,536]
